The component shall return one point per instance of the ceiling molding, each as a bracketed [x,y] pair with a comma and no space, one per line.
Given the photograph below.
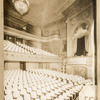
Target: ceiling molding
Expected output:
[59,11]
[63,19]
[78,6]
[90,5]
[33,21]
[17,16]
[64,6]
[15,22]
[53,19]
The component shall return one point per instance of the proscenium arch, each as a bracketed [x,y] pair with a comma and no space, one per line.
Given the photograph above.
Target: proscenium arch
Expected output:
[80,22]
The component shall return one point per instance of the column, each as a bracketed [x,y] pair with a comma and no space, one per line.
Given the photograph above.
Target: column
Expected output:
[36,44]
[1,53]
[69,40]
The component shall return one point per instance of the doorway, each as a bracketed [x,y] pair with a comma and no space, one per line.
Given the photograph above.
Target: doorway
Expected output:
[22,65]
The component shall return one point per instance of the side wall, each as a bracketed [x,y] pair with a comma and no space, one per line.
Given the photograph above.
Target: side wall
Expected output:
[12,65]
[80,65]
[58,47]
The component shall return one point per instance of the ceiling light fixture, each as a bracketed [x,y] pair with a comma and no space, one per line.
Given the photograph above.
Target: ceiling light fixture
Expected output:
[21,6]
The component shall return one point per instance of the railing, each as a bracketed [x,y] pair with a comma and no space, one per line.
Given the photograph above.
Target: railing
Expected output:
[12,56]
[28,36]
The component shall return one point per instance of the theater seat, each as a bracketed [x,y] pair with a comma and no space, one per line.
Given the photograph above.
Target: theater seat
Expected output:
[23,48]
[41,84]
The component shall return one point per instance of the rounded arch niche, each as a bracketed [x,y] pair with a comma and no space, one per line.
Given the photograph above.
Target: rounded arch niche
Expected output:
[81,39]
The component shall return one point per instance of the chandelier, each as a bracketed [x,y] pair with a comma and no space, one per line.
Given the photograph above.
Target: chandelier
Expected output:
[21,6]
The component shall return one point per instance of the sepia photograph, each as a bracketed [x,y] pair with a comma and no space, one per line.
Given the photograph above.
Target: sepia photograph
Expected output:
[49,50]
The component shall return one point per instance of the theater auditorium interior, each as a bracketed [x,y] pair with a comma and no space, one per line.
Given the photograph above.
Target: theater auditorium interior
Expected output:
[49,50]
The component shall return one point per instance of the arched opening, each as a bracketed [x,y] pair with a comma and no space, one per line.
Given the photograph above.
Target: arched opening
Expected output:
[81,32]
[81,47]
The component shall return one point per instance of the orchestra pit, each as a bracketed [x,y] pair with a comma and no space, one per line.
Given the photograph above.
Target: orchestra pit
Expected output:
[49,50]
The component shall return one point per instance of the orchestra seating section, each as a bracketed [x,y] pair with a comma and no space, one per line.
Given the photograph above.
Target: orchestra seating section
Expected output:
[42,84]
[23,48]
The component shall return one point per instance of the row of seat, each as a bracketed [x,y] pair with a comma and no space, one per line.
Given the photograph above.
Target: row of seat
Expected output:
[35,50]
[39,84]
[62,76]
[9,46]
[23,48]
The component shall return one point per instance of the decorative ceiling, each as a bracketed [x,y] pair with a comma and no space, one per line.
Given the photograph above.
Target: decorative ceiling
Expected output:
[46,11]
[43,12]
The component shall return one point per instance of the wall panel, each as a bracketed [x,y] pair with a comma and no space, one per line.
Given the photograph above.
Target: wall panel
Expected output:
[12,65]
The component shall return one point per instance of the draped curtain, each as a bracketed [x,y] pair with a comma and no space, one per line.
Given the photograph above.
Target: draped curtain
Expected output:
[87,43]
[80,33]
